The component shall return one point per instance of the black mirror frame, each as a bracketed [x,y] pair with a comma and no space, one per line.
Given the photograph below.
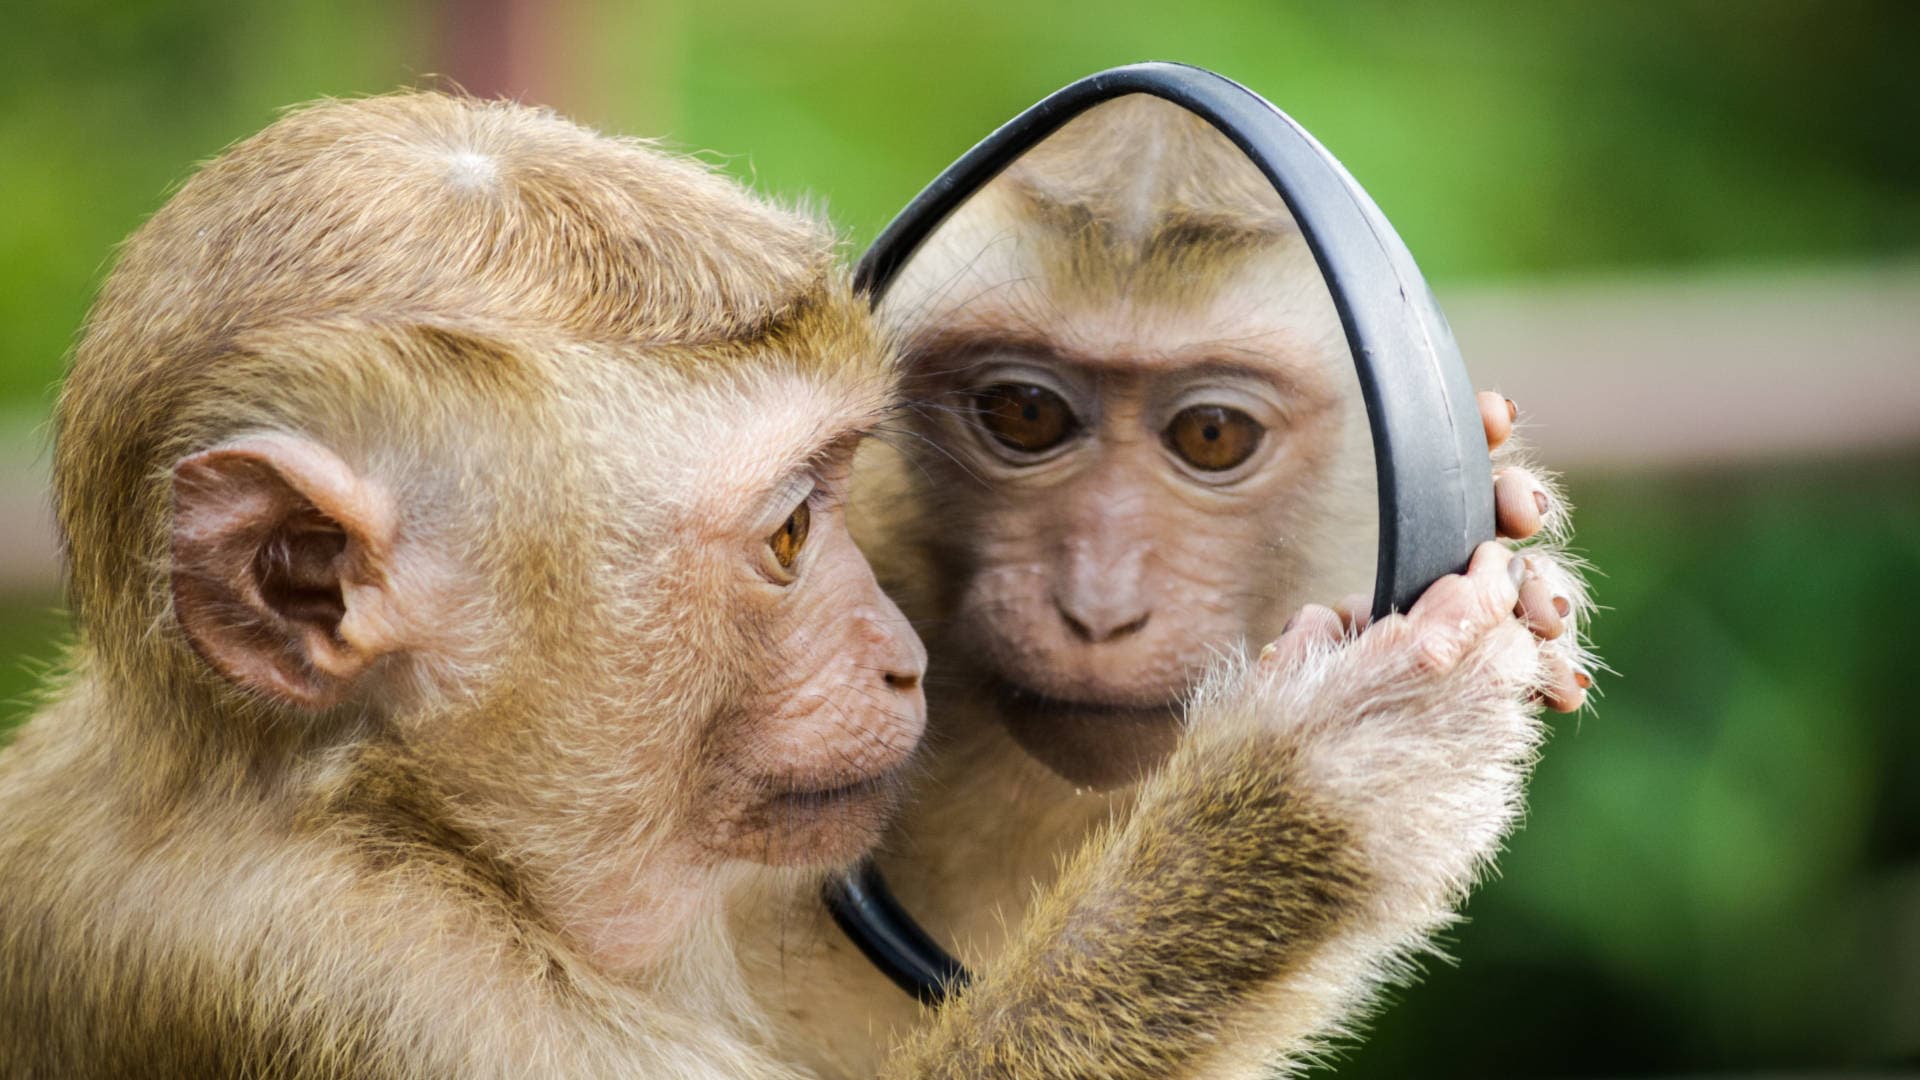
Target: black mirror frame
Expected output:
[1430,449]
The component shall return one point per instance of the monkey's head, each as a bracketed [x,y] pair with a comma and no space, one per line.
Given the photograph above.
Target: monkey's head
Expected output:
[1141,405]
[518,452]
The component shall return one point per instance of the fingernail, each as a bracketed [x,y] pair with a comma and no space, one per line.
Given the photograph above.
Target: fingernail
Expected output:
[1540,500]
[1582,679]
[1513,411]
[1517,570]
[1560,605]
[1267,651]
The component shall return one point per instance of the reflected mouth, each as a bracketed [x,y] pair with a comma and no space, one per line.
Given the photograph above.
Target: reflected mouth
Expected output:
[1092,744]
[1022,699]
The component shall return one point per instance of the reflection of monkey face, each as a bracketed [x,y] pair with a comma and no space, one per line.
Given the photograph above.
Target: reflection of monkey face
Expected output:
[1144,437]
[1142,484]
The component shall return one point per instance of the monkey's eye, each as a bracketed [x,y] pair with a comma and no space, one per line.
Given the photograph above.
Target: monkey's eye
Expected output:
[1213,437]
[787,540]
[1025,417]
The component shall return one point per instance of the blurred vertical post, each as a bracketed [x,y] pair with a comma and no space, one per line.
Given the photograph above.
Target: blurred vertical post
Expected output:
[614,66]
[507,48]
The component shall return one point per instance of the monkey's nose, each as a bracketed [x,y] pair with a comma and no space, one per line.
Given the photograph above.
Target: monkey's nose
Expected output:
[1100,627]
[901,658]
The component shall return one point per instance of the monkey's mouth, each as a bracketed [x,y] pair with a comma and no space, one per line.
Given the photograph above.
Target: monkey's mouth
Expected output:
[1093,744]
[1014,697]
[802,798]
[820,820]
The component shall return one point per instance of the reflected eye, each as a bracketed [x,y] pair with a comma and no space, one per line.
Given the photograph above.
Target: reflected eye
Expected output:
[1025,417]
[1213,437]
[790,537]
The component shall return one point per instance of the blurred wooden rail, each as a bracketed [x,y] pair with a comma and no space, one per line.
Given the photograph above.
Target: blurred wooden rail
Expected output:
[1652,372]
[1642,373]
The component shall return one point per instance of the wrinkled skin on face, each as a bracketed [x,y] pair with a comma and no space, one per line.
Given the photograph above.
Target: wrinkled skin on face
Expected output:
[789,682]
[811,766]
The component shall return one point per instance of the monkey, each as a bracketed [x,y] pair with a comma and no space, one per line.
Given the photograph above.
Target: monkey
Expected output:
[1139,443]
[453,505]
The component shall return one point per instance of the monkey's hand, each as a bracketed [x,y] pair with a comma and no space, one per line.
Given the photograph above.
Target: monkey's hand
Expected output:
[1331,805]
[1528,506]
[1417,729]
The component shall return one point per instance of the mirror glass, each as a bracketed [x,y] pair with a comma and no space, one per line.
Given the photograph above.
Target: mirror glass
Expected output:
[1135,440]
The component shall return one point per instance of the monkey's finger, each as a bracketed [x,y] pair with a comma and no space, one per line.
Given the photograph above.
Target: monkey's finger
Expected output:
[1315,625]
[1485,593]
[1497,415]
[1565,689]
[1519,503]
[1492,567]
[1544,613]
[1496,573]
[1459,609]
[1355,611]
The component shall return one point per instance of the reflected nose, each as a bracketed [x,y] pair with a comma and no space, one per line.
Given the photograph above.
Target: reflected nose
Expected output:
[1101,589]
[1096,624]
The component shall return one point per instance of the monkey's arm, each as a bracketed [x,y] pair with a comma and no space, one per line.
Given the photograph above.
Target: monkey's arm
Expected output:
[1328,809]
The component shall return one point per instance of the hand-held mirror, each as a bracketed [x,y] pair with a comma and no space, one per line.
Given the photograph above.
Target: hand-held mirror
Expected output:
[1430,460]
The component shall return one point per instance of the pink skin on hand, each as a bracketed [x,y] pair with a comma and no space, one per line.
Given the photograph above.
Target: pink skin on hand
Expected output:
[1496,584]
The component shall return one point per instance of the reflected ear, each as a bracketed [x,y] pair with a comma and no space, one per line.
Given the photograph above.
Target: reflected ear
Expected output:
[278,552]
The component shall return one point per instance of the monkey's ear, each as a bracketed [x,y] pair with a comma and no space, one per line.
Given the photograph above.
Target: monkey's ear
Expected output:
[279,566]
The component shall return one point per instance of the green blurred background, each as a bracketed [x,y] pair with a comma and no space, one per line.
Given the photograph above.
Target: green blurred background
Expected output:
[1721,872]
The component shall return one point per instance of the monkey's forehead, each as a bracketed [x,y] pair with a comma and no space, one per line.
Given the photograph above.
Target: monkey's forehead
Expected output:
[1005,246]
[988,283]
[698,442]
[1138,163]
[487,208]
